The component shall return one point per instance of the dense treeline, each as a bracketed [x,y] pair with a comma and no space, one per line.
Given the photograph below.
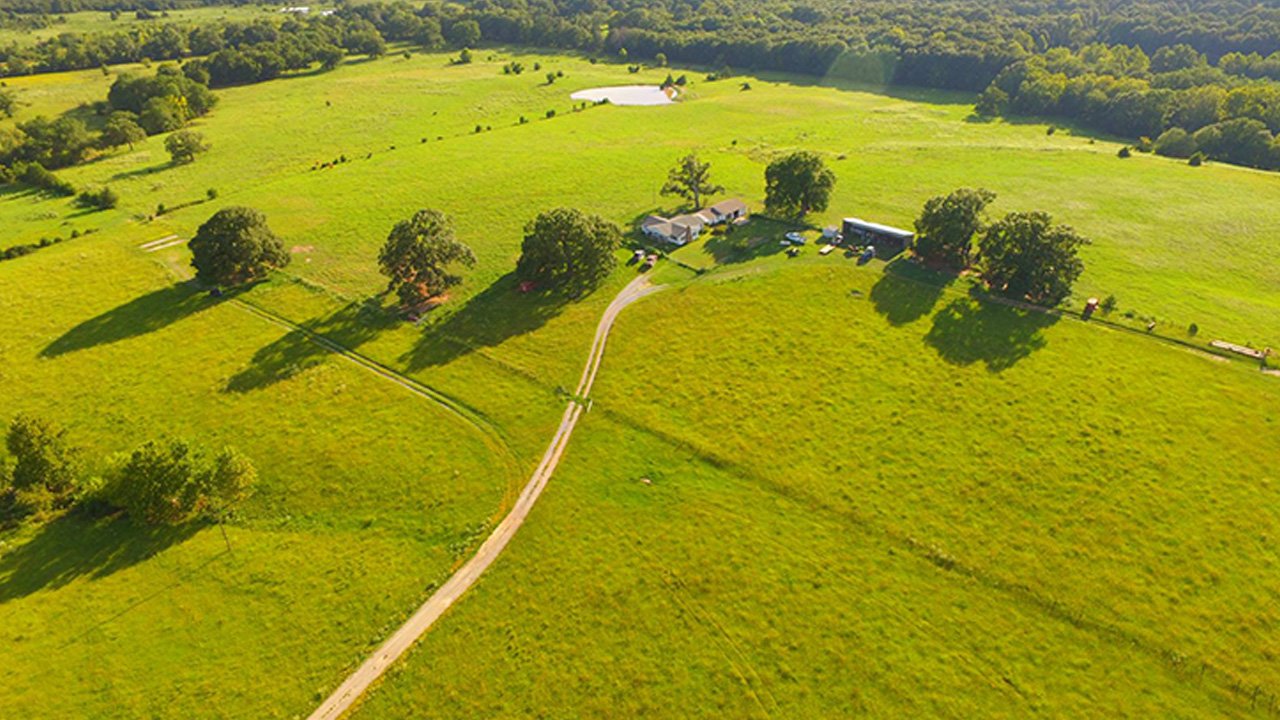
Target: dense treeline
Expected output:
[1209,74]
[1224,110]
[136,106]
[234,52]
[37,8]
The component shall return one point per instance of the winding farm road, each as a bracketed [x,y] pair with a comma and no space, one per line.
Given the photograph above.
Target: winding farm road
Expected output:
[402,639]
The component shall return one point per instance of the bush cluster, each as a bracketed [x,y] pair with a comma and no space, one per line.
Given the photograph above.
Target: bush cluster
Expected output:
[163,482]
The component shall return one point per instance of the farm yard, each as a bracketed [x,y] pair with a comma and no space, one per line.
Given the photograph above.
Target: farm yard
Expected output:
[931,505]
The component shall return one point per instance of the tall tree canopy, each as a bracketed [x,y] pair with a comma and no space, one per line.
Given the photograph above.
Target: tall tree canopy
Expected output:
[1025,256]
[122,128]
[235,245]
[46,467]
[947,224]
[691,180]
[568,249]
[184,145]
[170,482]
[419,254]
[798,183]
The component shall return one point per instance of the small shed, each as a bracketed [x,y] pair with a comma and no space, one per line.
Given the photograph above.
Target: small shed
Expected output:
[888,241]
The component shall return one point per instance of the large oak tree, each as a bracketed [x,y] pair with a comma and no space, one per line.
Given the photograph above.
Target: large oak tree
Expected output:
[798,183]
[569,250]
[1025,256]
[948,223]
[418,257]
[691,180]
[235,245]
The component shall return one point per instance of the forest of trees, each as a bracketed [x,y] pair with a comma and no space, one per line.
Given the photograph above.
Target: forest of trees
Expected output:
[1175,101]
[1200,80]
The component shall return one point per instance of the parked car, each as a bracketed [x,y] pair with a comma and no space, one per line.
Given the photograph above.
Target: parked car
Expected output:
[795,237]
[867,254]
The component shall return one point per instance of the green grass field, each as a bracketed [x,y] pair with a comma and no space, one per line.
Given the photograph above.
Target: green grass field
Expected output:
[869,494]
[84,23]
[350,524]
[960,514]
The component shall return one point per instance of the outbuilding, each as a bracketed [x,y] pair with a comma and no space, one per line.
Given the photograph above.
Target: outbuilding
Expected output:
[888,241]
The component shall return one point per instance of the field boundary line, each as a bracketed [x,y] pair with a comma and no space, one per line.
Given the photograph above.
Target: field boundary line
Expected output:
[358,682]
[448,402]
[1060,313]
[491,435]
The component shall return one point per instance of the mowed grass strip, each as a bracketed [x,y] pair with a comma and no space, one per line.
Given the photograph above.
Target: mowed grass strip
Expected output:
[367,498]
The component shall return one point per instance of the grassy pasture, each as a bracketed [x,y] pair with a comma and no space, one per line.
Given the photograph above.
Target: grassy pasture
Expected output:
[101,22]
[1182,245]
[868,434]
[866,502]
[368,494]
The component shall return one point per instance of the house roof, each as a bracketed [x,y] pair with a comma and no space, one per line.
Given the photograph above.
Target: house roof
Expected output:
[726,207]
[663,227]
[693,220]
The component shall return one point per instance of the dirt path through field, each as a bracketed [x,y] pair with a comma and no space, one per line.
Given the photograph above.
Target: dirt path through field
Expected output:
[402,639]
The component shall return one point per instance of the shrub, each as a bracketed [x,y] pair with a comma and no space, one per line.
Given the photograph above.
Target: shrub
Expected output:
[46,469]
[1108,305]
[184,145]
[1175,142]
[36,175]
[170,482]
[1124,152]
[102,199]
[1196,160]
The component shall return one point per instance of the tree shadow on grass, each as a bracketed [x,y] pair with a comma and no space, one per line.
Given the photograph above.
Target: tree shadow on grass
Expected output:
[967,331]
[139,316]
[297,351]
[15,191]
[73,547]
[759,237]
[905,293]
[489,319]
[142,171]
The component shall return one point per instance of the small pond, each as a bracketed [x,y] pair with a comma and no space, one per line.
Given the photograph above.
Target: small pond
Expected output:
[628,95]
